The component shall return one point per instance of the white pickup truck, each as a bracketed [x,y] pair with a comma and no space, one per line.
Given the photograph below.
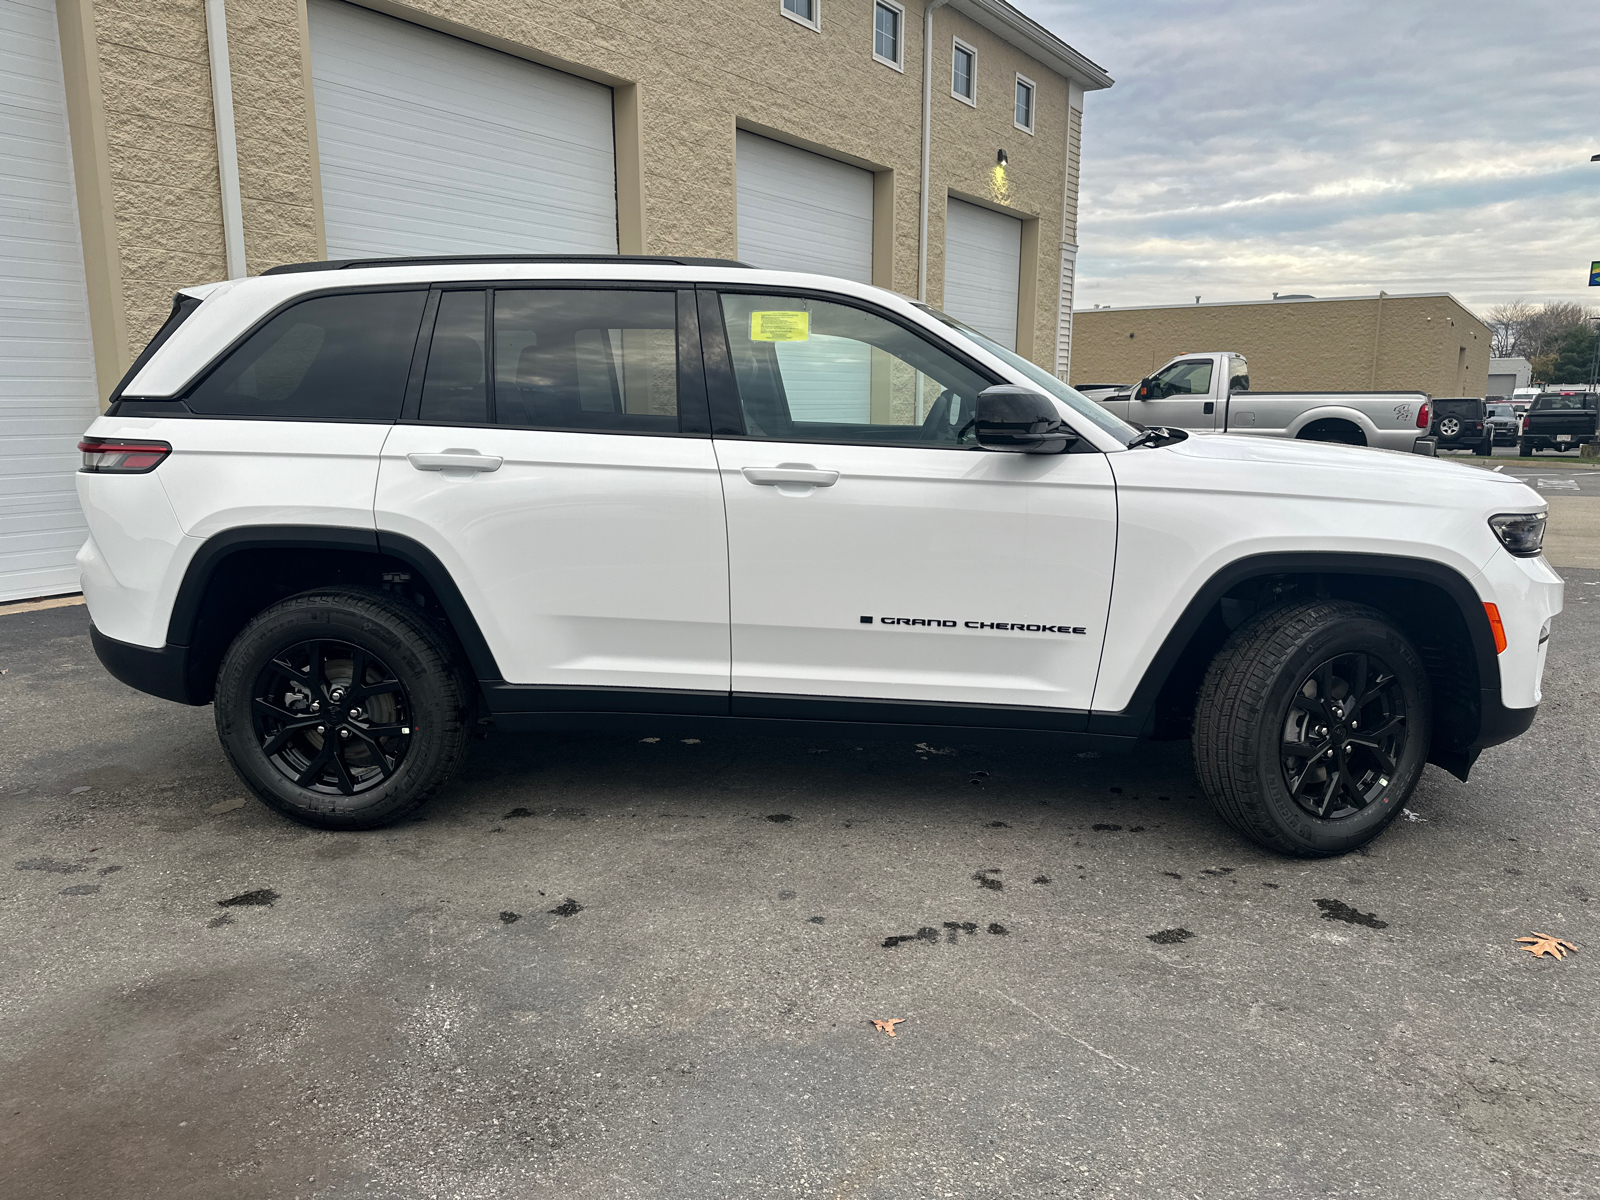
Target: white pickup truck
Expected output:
[1210,393]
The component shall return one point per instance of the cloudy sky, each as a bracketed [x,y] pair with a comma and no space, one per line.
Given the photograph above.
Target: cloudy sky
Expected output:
[1337,147]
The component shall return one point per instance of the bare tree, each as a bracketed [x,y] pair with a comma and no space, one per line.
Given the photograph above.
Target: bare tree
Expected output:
[1505,323]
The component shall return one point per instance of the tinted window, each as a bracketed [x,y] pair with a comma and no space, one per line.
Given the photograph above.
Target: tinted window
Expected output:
[812,370]
[586,359]
[342,357]
[1182,379]
[455,387]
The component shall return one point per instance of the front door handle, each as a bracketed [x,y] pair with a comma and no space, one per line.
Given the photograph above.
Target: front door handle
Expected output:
[793,473]
[455,460]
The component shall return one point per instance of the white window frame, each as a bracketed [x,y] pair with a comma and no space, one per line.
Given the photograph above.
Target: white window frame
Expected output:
[815,24]
[955,45]
[899,42]
[1033,104]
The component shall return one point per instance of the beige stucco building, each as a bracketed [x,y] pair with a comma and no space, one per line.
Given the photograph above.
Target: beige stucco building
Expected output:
[1430,342]
[157,144]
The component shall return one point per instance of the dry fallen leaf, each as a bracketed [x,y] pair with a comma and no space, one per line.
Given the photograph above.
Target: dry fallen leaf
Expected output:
[888,1026]
[1541,944]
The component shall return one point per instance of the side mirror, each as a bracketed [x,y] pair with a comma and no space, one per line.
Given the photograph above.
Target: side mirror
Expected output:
[1020,420]
[1142,392]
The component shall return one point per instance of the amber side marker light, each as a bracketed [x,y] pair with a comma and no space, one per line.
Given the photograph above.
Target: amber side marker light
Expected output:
[1492,611]
[121,456]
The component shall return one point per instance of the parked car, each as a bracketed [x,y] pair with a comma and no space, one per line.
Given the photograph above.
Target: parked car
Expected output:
[1210,393]
[1505,423]
[1462,424]
[366,508]
[1560,420]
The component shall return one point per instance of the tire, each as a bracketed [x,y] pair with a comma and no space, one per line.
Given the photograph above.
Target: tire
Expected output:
[399,745]
[1524,448]
[1450,428]
[1255,700]
[1485,448]
[1339,432]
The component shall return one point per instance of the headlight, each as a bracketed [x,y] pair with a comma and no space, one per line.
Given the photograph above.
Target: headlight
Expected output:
[1520,533]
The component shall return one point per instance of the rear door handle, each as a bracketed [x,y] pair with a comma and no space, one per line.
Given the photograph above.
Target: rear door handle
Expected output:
[455,460]
[795,473]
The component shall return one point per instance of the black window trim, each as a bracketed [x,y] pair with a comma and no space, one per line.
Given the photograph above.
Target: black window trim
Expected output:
[693,416]
[727,411]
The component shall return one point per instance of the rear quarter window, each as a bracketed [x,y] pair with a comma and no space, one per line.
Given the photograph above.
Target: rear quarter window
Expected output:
[343,357]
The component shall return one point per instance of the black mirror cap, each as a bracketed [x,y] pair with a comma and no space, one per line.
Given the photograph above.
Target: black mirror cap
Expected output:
[1022,421]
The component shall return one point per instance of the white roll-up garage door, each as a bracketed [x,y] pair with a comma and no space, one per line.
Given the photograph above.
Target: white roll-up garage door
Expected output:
[432,145]
[48,392]
[799,211]
[982,270]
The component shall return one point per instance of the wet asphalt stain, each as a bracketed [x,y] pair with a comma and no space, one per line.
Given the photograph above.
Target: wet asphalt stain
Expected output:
[53,865]
[510,918]
[816,920]
[984,879]
[567,908]
[1270,885]
[1107,828]
[926,934]
[218,922]
[516,812]
[111,870]
[1338,910]
[779,818]
[260,897]
[81,889]
[1217,871]
[954,929]
[998,825]
[953,932]
[1170,937]
[786,894]
[1041,879]
[999,930]
[1172,874]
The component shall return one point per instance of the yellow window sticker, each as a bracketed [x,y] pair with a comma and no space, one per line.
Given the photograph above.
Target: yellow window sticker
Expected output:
[780,326]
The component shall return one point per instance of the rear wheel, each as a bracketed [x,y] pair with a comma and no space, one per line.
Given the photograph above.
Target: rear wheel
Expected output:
[1312,727]
[341,709]
[1341,432]
[1524,448]
[1485,448]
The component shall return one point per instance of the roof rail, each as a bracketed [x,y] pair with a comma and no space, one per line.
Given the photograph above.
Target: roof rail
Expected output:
[343,264]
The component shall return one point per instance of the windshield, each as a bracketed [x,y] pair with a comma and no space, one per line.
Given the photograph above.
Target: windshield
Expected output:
[1074,400]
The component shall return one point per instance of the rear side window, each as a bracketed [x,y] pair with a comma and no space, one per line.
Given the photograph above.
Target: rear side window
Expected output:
[332,357]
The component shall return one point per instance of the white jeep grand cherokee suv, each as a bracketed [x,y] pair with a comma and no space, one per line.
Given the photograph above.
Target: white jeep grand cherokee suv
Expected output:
[366,507]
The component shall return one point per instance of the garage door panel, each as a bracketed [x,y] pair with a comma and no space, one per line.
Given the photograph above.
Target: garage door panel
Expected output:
[983,269]
[430,145]
[48,392]
[799,211]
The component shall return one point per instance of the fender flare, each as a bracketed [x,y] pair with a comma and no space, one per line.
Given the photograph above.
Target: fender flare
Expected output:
[421,561]
[1134,720]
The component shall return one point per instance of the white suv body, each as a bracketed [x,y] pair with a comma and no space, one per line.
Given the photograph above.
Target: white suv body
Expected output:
[617,491]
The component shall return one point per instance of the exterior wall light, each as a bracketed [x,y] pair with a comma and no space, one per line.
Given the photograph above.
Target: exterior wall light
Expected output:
[1000,158]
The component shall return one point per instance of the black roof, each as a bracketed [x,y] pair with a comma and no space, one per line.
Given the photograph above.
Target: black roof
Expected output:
[342,264]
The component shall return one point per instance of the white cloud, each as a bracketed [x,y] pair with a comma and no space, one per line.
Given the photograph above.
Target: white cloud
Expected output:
[1253,146]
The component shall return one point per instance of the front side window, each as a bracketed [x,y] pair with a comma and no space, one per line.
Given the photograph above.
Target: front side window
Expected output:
[804,11]
[1024,104]
[332,357]
[963,73]
[816,371]
[1182,379]
[886,20]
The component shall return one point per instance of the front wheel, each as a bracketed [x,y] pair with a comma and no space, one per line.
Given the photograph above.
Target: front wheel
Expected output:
[1312,727]
[341,709]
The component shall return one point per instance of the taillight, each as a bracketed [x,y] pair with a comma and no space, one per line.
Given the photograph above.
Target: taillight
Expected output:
[1524,424]
[122,456]
[1422,417]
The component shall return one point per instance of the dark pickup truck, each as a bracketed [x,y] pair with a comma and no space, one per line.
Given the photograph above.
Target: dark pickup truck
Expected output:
[1560,420]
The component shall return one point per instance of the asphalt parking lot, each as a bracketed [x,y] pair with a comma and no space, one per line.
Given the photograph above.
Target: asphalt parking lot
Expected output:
[606,967]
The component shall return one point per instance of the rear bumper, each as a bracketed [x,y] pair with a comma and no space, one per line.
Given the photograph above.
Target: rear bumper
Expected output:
[162,672]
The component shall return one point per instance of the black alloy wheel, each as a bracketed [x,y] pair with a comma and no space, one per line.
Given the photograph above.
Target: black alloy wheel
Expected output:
[332,718]
[1344,736]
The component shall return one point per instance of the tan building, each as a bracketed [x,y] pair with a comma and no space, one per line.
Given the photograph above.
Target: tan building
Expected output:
[169,143]
[1429,342]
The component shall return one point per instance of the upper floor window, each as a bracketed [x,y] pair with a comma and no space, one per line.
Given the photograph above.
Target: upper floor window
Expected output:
[888,20]
[805,11]
[1025,91]
[964,72]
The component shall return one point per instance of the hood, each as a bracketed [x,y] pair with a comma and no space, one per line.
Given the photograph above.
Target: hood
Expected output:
[1391,469]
